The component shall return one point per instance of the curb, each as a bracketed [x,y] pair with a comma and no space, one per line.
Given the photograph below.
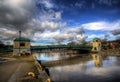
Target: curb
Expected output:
[42,74]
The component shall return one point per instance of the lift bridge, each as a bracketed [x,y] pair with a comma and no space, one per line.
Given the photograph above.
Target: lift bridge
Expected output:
[72,47]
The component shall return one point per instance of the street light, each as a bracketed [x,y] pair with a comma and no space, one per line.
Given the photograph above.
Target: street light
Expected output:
[19,40]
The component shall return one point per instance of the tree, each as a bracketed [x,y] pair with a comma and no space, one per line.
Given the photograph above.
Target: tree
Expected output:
[71,43]
[1,44]
[118,38]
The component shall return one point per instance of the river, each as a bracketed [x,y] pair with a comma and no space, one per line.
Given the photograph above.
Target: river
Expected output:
[81,67]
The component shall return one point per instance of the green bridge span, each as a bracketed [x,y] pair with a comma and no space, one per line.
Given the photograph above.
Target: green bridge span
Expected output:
[76,47]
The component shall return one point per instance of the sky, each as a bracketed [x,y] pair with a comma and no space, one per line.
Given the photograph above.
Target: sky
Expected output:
[59,21]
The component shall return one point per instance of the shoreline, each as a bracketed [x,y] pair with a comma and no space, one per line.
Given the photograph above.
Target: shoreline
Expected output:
[110,52]
[19,66]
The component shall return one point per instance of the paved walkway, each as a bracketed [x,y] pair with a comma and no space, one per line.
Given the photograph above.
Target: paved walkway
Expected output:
[15,70]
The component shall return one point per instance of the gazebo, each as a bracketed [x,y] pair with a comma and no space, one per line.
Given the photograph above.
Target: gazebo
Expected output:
[21,46]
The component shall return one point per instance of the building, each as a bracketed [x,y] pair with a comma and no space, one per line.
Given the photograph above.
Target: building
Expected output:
[96,45]
[21,46]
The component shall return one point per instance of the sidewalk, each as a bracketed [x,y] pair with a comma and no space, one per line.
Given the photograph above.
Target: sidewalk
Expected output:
[16,70]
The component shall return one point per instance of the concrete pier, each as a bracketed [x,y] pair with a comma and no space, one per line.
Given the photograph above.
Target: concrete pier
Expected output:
[15,69]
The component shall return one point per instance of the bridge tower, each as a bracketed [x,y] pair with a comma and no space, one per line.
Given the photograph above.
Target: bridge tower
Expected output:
[96,45]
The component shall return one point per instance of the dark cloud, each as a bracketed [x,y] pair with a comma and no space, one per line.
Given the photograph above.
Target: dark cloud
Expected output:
[116,32]
[25,15]
[109,2]
[72,34]
[6,34]
[14,16]
[16,12]
[76,30]
[61,37]
[32,16]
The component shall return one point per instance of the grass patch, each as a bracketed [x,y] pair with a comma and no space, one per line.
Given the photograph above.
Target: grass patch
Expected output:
[6,54]
[18,57]
[10,55]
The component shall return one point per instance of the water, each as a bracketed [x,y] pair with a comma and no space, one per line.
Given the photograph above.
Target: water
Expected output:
[81,68]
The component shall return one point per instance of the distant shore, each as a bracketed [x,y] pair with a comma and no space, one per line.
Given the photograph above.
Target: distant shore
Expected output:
[111,52]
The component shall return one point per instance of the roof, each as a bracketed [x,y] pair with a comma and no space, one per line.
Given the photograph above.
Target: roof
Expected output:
[22,39]
[96,39]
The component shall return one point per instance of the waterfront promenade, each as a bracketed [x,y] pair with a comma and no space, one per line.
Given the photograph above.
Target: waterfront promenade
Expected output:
[16,69]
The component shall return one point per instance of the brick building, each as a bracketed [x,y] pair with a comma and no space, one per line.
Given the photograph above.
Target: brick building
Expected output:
[21,46]
[96,45]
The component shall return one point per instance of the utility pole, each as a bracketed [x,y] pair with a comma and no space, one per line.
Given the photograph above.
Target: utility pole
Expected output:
[19,41]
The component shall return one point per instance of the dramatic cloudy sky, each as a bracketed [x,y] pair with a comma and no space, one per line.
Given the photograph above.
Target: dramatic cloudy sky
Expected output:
[59,21]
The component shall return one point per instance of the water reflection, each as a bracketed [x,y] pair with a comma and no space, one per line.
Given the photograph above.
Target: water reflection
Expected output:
[45,57]
[84,68]
[97,60]
[48,57]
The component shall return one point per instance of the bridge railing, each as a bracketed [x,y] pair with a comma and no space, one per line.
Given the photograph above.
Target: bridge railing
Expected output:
[61,47]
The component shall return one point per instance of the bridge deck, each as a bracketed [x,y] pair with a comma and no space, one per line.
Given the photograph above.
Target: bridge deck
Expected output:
[62,47]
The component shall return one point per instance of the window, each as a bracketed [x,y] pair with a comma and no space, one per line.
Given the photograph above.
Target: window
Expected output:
[99,44]
[95,48]
[22,44]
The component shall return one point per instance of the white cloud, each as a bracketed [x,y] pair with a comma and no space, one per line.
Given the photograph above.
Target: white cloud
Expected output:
[21,15]
[64,24]
[52,25]
[62,37]
[105,71]
[93,5]
[107,26]
[91,36]
[58,15]
[46,25]
[7,34]
[46,3]
[80,5]
[46,35]
[76,30]
[34,25]
[58,38]
[101,36]
[106,2]
[81,37]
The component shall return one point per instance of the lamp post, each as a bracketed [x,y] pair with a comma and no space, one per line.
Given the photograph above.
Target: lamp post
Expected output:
[19,41]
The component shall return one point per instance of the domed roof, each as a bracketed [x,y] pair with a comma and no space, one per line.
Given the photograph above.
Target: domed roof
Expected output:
[22,39]
[96,39]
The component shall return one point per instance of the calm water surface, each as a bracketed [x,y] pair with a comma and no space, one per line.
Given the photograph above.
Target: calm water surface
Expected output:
[81,67]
